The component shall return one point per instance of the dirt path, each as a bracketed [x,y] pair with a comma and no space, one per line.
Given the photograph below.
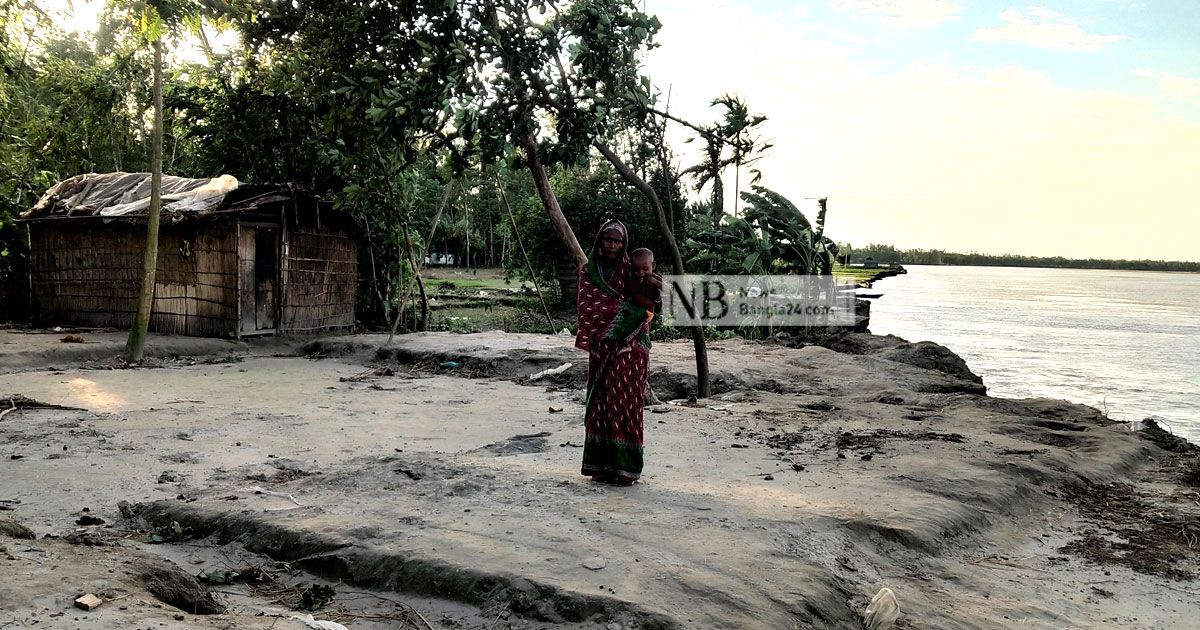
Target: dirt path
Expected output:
[814,478]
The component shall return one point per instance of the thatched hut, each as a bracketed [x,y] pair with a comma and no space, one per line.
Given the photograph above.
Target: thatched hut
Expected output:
[233,260]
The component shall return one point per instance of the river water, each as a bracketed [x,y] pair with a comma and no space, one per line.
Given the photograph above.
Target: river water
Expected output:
[1123,341]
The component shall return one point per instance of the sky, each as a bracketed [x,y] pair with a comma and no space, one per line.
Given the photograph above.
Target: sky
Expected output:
[83,16]
[1069,127]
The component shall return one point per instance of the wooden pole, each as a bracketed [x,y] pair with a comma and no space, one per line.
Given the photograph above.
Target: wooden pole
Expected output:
[517,236]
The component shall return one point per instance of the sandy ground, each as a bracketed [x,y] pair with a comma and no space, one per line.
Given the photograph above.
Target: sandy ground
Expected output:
[433,470]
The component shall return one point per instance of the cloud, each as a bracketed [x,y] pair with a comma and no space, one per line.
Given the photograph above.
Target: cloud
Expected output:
[936,154]
[917,13]
[1042,28]
[1173,85]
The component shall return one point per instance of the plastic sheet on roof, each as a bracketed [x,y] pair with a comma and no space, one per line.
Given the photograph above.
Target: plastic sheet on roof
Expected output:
[128,194]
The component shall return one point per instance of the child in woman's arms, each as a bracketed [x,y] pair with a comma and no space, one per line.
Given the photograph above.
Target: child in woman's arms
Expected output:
[644,289]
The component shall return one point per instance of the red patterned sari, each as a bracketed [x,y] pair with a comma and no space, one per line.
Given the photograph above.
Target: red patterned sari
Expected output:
[616,381]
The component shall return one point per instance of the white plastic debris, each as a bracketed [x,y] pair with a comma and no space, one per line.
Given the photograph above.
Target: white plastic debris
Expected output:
[272,493]
[883,611]
[566,332]
[550,372]
[319,624]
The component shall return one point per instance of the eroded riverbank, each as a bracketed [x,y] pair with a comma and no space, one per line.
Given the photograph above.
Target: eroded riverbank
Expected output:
[432,469]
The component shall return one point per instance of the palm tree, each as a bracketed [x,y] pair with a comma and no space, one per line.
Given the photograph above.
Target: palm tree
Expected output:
[733,141]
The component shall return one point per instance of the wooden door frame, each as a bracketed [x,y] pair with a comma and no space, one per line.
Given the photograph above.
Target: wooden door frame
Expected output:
[278,294]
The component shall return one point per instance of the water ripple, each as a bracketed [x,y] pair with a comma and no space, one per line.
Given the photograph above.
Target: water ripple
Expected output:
[1123,341]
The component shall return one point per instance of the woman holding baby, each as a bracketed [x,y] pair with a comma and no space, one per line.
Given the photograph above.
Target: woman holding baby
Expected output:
[615,305]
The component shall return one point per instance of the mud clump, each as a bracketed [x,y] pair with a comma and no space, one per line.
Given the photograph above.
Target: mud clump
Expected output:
[1166,440]
[931,356]
[785,441]
[1191,476]
[13,402]
[1184,460]
[1044,408]
[91,538]
[286,473]
[170,585]
[518,445]
[13,529]
[838,341]
[873,440]
[672,385]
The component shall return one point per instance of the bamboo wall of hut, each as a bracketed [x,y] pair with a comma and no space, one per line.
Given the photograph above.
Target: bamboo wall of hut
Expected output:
[88,273]
[320,277]
[268,259]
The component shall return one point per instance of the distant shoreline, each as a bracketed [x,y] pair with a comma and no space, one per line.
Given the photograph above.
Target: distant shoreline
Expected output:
[886,254]
[1010,266]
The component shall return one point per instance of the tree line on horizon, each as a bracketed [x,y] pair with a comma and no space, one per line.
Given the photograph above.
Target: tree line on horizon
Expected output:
[888,254]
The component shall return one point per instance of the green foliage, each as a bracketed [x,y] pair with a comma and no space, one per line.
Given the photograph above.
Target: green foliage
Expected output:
[471,78]
[387,200]
[463,84]
[165,530]
[376,106]
[731,141]
[772,236]
[63,111]
[212,110]
[795,247]
[589,197]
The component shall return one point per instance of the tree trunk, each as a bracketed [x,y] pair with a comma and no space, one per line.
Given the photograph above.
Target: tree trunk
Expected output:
[718,191]
[412,262]
[704,388]
[136,345]
[383,303]
[550,202]
[429,245]
[737,174]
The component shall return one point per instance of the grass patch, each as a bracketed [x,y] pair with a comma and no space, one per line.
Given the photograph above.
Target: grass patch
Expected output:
[471,284]
[854,274]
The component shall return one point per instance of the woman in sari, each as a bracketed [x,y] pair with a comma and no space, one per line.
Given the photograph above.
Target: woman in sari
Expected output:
[612,452]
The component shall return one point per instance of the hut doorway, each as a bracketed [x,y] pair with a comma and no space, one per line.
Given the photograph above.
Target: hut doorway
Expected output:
[258,271]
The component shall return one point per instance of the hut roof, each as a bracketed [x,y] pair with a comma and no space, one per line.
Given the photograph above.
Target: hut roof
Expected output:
[127,195]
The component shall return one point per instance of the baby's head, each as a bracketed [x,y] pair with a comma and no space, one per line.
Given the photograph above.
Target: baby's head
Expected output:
[642,261]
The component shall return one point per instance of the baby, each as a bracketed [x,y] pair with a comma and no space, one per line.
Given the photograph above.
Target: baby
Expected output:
[644,288]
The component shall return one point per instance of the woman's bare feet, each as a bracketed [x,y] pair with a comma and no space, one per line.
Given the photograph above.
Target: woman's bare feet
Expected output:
[614,479]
